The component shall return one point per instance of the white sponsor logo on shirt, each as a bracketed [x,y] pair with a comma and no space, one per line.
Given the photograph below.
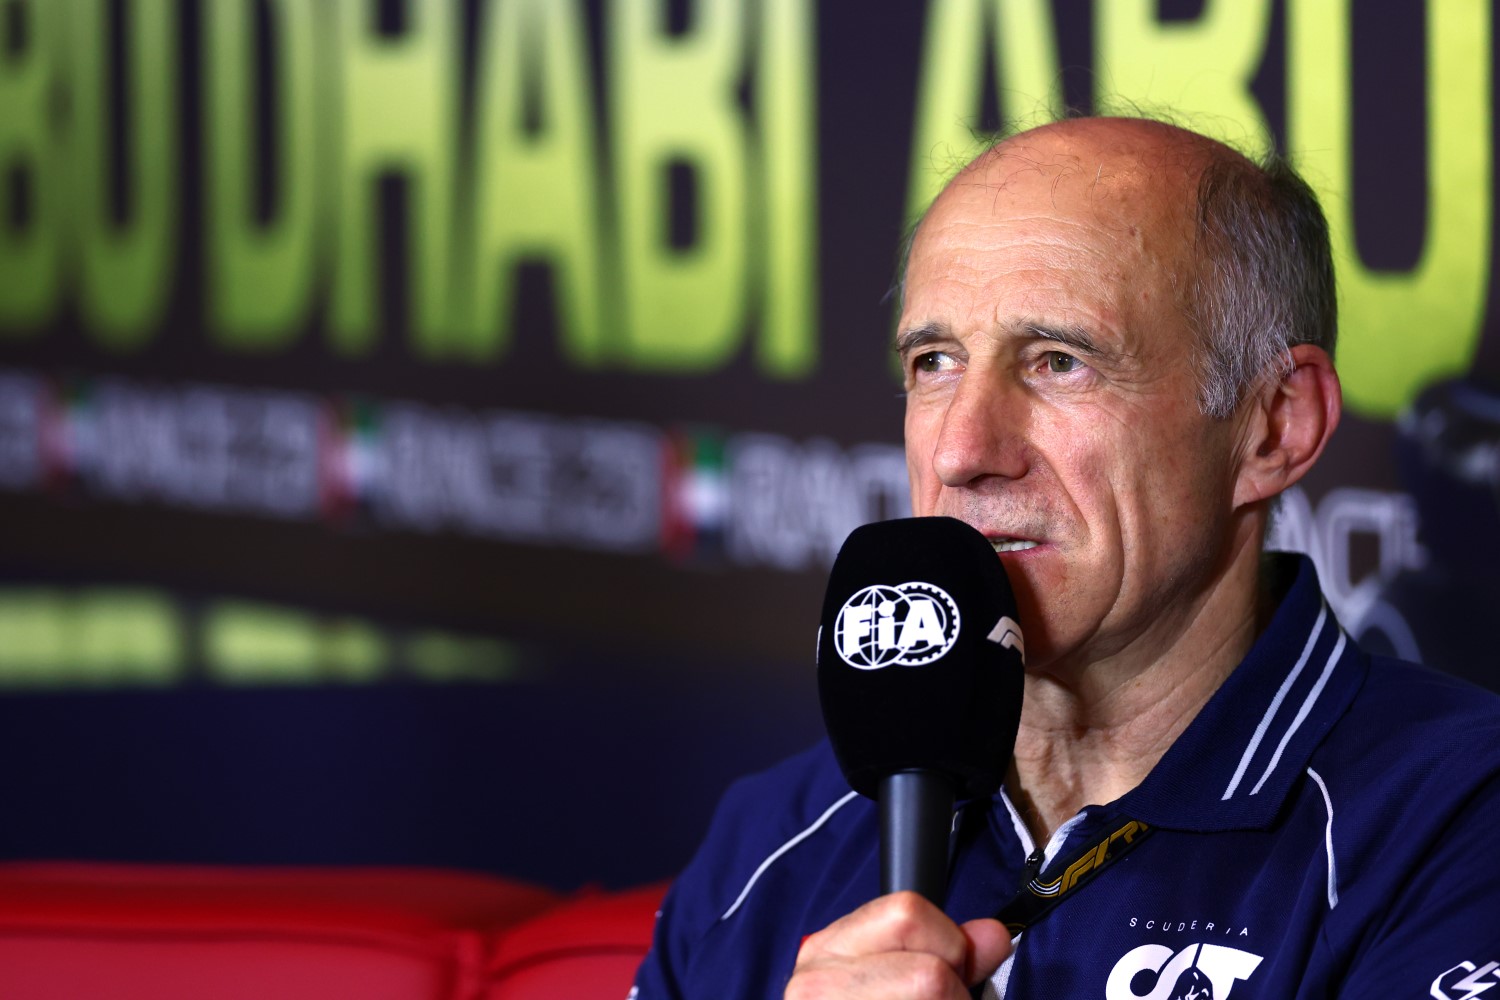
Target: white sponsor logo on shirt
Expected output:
[1465,981]
[1197,972]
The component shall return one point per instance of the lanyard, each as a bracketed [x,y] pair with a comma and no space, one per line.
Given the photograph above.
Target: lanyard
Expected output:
[1036,898]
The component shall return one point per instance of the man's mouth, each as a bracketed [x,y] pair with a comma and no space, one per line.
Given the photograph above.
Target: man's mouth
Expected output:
[1013,544]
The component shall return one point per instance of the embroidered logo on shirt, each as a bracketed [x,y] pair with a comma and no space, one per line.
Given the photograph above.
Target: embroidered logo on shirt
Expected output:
[1197,972]
[1465,981]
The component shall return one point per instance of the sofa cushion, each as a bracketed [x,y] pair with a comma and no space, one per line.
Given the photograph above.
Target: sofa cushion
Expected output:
[163,932]
[588,947]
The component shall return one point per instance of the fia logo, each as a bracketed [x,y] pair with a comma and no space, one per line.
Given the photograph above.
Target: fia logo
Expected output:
[1197,972]
[909,624]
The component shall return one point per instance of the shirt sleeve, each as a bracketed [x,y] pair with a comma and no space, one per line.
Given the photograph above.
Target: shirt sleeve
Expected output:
[694,952]
[693,905]
[705,888]
[657,978]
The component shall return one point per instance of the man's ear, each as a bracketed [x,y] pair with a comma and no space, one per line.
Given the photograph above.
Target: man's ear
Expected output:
[1289,424]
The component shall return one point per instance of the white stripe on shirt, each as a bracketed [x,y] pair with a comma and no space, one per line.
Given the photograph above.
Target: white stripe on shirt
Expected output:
[1307,704]
[799,838]
[1286,686]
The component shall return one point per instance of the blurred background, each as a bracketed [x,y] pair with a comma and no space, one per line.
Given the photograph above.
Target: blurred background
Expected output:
[425,425]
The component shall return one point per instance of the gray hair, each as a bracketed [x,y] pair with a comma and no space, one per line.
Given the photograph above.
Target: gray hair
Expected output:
[1264,277]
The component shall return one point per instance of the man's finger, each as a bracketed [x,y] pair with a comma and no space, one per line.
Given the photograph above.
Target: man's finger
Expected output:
[989,945]
[895,975]
[901,921]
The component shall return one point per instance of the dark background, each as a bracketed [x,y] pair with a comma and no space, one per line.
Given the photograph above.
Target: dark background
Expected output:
[552,708]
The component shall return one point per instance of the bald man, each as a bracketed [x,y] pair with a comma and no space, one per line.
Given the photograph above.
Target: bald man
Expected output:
[1117,338]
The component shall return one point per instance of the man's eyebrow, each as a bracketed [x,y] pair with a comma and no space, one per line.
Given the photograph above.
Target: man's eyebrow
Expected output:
[920,336]
[1072,337]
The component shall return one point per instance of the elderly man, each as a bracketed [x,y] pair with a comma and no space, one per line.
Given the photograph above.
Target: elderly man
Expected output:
[1117,340]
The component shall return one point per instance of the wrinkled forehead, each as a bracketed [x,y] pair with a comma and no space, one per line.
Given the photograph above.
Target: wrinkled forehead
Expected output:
[1138,184]
[1101,219]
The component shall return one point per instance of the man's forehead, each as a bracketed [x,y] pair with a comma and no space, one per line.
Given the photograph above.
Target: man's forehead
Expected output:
[1142,172]
[1089,217]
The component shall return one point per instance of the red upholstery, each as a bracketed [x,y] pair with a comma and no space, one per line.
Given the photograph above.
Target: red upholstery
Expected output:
[589,947]
[149,932]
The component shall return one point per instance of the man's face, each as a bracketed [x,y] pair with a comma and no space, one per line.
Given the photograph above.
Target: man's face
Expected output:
[1053,396]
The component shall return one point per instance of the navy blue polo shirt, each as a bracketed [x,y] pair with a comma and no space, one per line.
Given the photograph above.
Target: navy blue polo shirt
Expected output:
[1329,825]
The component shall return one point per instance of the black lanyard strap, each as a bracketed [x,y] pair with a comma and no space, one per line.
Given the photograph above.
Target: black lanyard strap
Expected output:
[1037,898]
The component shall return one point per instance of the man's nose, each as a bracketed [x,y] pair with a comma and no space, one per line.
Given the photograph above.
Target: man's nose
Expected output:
[983,432]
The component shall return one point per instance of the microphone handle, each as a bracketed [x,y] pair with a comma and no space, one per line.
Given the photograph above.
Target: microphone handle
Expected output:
[916,818]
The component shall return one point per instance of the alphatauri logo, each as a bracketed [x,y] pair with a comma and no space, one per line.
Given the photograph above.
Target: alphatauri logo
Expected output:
[1197,972]
[909,624]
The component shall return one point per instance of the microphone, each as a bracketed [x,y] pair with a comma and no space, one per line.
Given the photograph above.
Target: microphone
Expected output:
[920,672]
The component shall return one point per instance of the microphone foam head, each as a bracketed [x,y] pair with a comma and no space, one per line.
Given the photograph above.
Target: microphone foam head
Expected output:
[920,657]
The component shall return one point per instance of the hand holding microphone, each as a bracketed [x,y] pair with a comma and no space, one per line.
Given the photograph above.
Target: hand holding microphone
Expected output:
[920,675]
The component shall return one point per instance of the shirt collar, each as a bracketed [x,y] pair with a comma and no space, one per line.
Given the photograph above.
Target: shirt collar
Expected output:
[1235,764]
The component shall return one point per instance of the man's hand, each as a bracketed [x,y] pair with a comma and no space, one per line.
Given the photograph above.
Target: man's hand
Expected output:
[898,947]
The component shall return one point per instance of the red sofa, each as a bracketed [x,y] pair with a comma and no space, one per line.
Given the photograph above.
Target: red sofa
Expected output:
[166,932]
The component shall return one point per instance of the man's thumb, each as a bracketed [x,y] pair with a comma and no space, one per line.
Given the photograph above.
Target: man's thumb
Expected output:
[989,945]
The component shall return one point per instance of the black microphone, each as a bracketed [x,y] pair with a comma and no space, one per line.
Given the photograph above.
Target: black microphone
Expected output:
[920,673]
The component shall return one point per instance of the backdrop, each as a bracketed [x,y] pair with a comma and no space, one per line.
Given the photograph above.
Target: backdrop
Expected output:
[425,426]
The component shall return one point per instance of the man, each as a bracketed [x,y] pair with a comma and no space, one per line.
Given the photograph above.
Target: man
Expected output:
[1117,340]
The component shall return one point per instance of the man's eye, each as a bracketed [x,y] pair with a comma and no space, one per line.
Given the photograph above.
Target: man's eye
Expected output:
[1061,363]
[931,362]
